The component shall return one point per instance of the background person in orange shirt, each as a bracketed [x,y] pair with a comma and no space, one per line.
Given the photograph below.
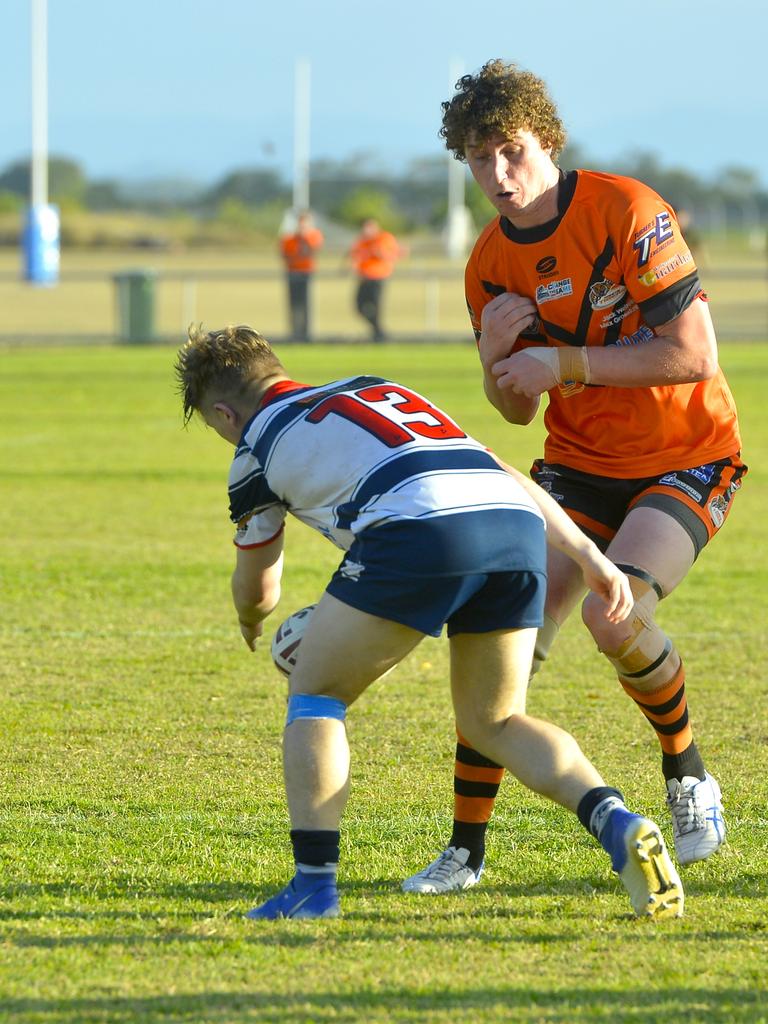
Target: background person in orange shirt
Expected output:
[584,289]
[373,257]
[298,251]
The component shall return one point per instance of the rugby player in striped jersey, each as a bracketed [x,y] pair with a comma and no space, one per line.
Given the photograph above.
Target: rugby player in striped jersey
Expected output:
[435,532]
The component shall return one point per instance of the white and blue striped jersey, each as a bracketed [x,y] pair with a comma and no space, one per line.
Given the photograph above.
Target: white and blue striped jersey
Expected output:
[355,454]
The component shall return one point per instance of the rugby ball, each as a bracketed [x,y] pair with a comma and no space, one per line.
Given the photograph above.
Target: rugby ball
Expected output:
[285,642]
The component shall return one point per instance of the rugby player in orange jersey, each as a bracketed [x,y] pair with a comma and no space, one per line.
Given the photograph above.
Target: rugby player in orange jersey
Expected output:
[583,289]
[298,251]
[373,255]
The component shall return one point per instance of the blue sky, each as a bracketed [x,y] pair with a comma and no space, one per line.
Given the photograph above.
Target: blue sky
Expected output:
[195,88]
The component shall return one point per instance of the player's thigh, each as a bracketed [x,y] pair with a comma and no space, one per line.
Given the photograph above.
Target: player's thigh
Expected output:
[344,650]
[489,676]
[656,542]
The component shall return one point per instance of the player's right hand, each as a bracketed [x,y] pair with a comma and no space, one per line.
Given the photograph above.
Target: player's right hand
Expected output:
[501,322]
[607,580]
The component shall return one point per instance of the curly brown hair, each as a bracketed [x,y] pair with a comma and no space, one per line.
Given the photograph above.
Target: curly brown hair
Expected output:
[228,362]
[501,99]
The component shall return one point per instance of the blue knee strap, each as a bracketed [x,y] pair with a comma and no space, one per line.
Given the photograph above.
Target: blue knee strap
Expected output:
[311,705]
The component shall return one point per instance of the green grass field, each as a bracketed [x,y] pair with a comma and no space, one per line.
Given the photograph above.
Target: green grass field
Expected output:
[142,809]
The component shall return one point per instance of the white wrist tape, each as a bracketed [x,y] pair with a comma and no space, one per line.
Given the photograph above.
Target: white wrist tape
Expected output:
[567,364]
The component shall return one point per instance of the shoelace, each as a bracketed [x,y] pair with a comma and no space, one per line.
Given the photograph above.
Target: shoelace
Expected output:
[443,867]
[687,814]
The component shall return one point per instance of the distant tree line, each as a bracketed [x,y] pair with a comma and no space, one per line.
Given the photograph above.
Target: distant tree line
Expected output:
[346,191]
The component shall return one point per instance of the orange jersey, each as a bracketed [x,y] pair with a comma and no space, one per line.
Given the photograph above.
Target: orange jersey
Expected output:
[610,268]
[375,257]
[299,249]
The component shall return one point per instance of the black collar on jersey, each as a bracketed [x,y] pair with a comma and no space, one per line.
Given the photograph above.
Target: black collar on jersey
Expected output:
[565,189]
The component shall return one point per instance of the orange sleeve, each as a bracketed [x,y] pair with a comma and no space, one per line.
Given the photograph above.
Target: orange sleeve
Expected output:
[657,265]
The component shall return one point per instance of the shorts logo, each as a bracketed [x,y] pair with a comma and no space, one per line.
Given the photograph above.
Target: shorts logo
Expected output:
[546,265]
[673,480]
[545,480]
[653,236]
[703,473]
[554,290]
[718,507]
[351,570]
[604,293]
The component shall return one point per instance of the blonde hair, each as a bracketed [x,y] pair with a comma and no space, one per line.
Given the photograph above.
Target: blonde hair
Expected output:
[501,99]
[227,363]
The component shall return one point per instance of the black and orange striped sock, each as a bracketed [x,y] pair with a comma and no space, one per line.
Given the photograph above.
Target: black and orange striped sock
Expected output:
[476,782]
[667,711]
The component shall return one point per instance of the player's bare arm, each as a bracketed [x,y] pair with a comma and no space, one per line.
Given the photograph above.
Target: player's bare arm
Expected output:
[502,320]
[256,586]
[600,574]
[683,351]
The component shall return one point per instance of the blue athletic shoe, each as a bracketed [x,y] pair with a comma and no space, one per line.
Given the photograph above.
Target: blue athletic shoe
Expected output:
[639,856]
[304,896]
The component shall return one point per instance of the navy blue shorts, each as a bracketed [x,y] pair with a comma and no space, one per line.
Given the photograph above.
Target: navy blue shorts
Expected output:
[376,576]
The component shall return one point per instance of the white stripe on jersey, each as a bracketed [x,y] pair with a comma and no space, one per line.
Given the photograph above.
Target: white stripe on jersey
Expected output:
[356,453]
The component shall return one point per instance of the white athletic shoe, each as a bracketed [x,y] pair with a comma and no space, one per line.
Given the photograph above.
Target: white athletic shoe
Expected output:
[640,858]
[447,873]
[697,817]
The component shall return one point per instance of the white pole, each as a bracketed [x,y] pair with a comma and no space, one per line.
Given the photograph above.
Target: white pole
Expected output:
[39,164]
[456,234]
[301,101]
[41,237]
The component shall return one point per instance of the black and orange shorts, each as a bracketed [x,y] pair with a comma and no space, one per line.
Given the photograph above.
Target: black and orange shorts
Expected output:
[699,498]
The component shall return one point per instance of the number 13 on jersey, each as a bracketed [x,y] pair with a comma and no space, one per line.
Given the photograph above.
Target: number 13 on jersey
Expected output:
[393,414]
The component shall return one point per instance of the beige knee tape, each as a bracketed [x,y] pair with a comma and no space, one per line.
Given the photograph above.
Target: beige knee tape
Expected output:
[544,640]
[648,646]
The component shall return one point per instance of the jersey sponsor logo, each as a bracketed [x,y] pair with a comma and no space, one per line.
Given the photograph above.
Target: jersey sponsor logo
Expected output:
[533,330]
[618,314]
[604,293]
[642,334]
[653,236]
[554,290]
[650,277]
[546,266]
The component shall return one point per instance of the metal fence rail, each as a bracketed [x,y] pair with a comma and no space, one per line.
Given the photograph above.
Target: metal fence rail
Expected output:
[420,304]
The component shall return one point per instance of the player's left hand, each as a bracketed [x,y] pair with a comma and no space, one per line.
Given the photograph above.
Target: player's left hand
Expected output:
[251,633]
[602,576]
[524,375]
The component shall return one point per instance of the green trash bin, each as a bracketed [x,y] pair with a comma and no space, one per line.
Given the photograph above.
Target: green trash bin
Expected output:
[136,306]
